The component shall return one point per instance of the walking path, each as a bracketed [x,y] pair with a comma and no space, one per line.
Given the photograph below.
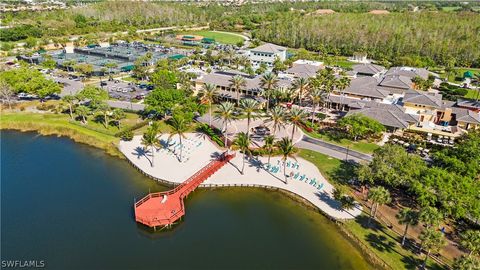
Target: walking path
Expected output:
[305,180]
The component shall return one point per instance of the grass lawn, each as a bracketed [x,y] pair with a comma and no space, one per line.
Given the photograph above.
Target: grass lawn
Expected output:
[325,164]
[472,94]
[224,38]
[360,146]
[459,72]
[385,244]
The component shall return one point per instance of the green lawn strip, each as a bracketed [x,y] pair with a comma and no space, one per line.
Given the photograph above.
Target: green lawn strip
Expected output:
[472,94]
[55,121]
[224,38]
[381,240]
[325,164]
[385,244]
[459,71]
[360,146]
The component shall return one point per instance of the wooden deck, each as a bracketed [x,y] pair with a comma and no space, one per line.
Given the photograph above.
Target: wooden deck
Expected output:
[162,209]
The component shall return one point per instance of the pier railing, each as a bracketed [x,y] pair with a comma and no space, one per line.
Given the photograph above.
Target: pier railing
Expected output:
[183,189]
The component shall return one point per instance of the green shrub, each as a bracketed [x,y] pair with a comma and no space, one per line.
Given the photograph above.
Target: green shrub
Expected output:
[213,134]
[127,135]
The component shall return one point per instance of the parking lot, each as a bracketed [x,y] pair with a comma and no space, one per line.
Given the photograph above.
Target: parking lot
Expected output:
[125,91]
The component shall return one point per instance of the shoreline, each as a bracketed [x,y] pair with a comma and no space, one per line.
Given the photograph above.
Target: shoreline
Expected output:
[112,150]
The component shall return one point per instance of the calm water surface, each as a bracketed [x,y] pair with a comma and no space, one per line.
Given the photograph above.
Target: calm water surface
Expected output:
[71,206]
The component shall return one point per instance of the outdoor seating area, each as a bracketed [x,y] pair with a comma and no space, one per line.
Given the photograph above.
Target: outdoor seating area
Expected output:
[182,150]
[295,174]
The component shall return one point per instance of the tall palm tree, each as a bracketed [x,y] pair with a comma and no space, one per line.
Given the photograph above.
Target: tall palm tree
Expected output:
[466,263]
[277,115]
[379,196]
[179,127]
[118,115]
[342,84]
[296,118]
[286,148]
[149,139]
[301,85]
[69,99]
[249,107]
[237,82]
[430,216]
[317,96]
[268,82]
[243,143]
[207,96]
[83,112]
[268,145]
[105,110]
[408,217]
[432,241]
[324,79]
[225,112]
[470,240]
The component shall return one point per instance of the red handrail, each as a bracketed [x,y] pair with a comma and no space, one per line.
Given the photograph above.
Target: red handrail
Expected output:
[185,188]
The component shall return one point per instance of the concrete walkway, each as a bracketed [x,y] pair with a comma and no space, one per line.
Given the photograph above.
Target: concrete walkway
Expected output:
[305,180]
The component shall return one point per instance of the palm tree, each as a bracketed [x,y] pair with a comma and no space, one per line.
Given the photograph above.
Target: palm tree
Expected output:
[432,241]
[301,85]
[104,109]
[237,82]
[341,85]
[379,196]
[243,143]
[286,148]
[318,96]
[225,112]
[249,107]
[277,115]
[325,80]
[408,217]
[149,139]
[430,216]
[268,82]
[268,145]
[296,118]
[207,96]
[179,127]
[470,240]
[69,99]
[466,263]
[118,115]
[82,111]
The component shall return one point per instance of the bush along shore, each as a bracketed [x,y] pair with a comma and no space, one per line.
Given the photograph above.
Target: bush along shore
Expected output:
[62,128]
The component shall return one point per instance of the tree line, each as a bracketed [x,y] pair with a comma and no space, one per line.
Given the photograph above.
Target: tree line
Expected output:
[435,37]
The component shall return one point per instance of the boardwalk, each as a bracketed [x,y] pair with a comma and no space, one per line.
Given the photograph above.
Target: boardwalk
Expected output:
[162,209]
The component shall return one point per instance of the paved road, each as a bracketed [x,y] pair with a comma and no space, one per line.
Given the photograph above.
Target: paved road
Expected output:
[332,150]
[126,105]
[306,142]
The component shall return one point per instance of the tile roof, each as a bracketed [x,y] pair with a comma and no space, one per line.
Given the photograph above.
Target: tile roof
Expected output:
[386,114]
[252,83]
[396,81]
[369,69]
[423,98]
[408,72]
[269,48]
[303,70]
[465,115]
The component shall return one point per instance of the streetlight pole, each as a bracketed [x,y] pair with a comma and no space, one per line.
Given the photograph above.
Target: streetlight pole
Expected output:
[346,157]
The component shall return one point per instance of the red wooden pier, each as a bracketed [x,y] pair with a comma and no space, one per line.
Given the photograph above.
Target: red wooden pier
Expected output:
[162,209]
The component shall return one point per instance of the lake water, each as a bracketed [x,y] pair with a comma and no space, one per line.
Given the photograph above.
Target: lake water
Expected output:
[71,206]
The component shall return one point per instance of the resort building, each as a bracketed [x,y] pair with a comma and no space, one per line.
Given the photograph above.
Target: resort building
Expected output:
[267,53]
[222,79]
[367,69]
[390,99]
[304,68]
